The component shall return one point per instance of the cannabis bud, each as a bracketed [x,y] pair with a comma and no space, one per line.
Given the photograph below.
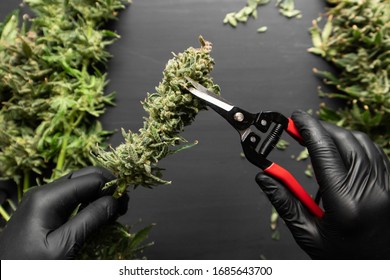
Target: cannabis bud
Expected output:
[170,108]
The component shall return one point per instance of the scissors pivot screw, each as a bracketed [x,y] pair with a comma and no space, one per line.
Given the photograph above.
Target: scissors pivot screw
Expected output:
[239,116]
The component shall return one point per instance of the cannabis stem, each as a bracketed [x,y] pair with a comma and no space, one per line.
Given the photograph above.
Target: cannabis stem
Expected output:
[62,154]
[78,121]
[4,214]
[64,146]
[26,180]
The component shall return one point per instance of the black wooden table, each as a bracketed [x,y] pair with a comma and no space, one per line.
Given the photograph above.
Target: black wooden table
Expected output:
[213,209]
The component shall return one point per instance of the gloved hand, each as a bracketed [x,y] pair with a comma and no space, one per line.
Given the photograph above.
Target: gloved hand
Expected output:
[353,177]
[41,229]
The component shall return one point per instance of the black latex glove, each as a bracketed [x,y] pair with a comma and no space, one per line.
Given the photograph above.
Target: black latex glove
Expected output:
[353,177]
[41,229]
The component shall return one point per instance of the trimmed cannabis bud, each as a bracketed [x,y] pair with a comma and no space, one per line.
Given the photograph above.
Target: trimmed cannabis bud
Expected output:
[170,108]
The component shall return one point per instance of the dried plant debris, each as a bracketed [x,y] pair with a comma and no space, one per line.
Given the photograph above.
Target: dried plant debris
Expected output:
[170,109]
[274,218]
[286,8]
[282,144]
[262,29]
[309,171]
[355,39]
[304,154]
[250,10]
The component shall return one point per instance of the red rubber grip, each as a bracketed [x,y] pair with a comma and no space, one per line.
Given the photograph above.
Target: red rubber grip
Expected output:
[293,131]
[278,172]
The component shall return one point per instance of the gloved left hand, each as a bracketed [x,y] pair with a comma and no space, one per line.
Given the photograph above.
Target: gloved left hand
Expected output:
[41,227]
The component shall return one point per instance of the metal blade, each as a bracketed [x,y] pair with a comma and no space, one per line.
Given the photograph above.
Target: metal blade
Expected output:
[204,94]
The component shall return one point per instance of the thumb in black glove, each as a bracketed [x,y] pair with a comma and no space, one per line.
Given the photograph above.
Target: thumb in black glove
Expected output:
[41,229]
[353,177]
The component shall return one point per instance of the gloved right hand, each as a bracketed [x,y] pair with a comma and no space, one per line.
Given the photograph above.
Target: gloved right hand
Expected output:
[41,229]
[354,182]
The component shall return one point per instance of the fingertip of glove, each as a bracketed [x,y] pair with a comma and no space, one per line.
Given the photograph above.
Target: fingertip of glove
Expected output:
[97,176]
[299,115]
[111,206]
[259,177]
[123,203]
[263,180]
[116,207]
[106,174]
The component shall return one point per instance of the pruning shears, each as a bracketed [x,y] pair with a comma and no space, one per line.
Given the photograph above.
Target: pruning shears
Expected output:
[255,151]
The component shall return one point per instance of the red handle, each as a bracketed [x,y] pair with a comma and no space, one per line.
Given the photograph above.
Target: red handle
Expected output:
[293,131]
[278,172]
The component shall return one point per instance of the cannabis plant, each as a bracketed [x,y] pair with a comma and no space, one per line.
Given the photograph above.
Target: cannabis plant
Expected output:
[51,94]
[356,40]
[119,242]
[51,88]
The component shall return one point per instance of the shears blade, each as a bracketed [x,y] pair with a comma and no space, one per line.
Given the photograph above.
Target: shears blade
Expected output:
[203,93]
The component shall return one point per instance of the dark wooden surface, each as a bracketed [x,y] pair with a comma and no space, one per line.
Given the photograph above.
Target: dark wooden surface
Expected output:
[213,209]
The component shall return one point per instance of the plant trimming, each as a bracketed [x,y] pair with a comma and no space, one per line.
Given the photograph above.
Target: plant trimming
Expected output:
[355,39]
